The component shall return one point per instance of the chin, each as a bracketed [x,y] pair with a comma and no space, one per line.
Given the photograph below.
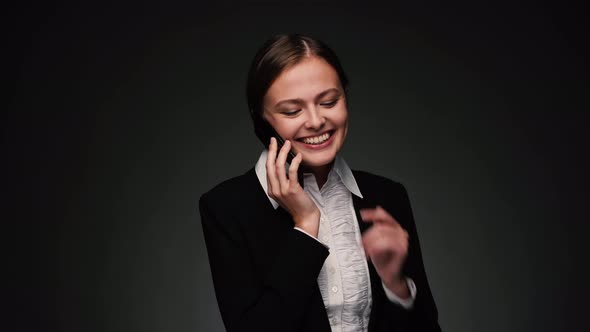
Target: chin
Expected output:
[317,164]
[318,161]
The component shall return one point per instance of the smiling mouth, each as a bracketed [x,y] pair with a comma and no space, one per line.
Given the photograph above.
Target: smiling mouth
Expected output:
[316,140]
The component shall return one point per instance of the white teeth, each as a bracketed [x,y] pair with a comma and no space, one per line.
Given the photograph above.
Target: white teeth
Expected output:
[317,139]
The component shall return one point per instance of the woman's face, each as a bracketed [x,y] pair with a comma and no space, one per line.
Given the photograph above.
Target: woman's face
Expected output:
[306,105]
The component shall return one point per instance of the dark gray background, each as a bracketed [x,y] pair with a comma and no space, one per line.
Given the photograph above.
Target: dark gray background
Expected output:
[122,116]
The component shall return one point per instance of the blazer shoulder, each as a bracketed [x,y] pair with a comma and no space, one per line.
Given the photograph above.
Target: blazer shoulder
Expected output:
[231,192]
[375,181]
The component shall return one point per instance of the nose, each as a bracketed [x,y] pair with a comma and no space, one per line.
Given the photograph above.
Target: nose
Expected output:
[315,119]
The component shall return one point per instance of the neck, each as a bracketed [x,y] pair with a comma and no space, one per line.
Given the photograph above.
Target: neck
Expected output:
[320,172]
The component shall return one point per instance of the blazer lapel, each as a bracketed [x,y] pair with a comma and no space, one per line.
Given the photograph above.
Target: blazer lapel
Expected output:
[361,203]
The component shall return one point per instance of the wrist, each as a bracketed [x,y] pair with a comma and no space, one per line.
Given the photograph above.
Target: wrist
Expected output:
[310,224]
[399,286]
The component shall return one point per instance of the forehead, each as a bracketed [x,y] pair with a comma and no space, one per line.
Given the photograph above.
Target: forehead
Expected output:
[303,80]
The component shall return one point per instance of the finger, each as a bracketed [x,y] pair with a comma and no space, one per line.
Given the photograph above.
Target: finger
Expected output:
[293,169]
[273,183]
[378,215]
[380,237]
[397,237]
[375,246]
[384,215]
[375,214]
[369,239]
[393,234]
[272,149]
[280,166]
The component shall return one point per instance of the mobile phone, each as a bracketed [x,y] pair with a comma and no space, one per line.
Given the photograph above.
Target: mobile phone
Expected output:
[267,132]
[280,143]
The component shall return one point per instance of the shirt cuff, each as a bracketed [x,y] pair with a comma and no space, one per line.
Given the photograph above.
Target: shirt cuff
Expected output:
[406,303]
[313,237]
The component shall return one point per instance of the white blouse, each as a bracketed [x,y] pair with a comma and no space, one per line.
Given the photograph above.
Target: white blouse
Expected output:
[344,278]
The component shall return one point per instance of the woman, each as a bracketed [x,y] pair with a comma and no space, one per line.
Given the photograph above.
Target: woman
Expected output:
[311,245]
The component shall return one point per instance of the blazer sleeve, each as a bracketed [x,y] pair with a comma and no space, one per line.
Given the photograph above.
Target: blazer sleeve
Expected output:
[388,315]
[423,316]
[249,299]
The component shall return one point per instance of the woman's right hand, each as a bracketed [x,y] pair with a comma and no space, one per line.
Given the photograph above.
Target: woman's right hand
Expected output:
[287,191]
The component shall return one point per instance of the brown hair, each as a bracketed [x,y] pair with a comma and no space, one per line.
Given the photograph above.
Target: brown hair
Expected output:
[276,54]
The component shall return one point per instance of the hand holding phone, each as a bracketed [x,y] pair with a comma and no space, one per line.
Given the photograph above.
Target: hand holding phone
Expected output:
[281,142]
[266,132]
[287,191]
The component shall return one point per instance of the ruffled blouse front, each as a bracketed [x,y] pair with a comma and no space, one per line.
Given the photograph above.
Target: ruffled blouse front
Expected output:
[344,278]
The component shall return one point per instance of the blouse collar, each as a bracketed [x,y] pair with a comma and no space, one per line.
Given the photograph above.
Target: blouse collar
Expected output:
[340,167]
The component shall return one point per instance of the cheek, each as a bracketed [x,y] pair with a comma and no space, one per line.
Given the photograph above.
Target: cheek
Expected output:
[287,128]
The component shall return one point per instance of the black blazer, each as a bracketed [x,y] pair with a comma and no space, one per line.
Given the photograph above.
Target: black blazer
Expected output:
[265,272]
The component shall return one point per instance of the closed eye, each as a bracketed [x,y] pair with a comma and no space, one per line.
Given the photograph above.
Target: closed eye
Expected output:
[292,112]
[329,103]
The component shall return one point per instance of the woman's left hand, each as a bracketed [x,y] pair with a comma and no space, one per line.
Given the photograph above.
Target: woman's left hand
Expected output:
[386,243]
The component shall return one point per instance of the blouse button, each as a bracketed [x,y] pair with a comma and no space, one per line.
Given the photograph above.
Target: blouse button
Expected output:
[332,270]
[335,289]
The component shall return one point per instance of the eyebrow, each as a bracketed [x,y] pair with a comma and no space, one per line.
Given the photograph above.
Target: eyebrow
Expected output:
[301,101]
